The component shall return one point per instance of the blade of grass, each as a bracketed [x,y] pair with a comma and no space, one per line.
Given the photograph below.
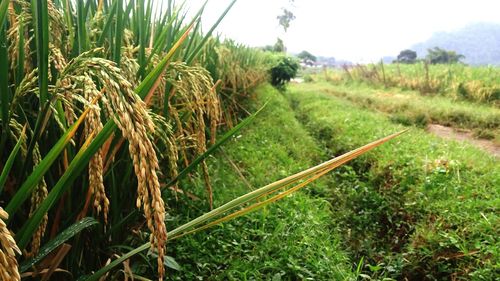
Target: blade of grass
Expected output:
[193,38]
[62,237]
[142,17]
[10,160]
[107,24]
[198,48]
[4,5]
[82,27]
[319,170]
[40,13]
[20,57]
[118,32]
[4,87]
[68,18]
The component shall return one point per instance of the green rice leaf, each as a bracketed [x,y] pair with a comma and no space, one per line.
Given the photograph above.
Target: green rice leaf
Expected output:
[41,19]
[62,237]
[198,48]
[44,165]
[10,160]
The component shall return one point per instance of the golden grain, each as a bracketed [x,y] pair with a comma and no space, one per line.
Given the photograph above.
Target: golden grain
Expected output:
[8,250]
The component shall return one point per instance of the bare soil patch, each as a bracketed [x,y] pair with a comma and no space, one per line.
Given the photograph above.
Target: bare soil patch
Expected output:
[450,133]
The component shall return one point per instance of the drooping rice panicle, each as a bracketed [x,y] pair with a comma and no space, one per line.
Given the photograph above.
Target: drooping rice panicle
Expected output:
[37,197]
[8,251]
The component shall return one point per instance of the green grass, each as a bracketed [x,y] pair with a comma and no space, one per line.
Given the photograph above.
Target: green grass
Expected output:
[423,209]
[410,108]
[294,239]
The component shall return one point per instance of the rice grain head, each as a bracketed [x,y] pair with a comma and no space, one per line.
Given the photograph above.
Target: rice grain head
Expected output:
[8,250]
[37,197]
[131,116]
[93,125]
[194,93]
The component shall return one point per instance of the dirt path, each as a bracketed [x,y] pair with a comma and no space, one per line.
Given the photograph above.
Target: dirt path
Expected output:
[450,133]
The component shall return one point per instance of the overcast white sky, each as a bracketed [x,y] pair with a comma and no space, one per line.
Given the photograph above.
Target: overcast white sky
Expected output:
[357,30]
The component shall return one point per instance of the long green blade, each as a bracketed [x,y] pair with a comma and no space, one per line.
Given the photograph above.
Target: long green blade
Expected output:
[62,237]
[82,27]
[4,5]
[4,87]
[118,32]
[107,25]
[207,217]
[41,20]
[209,33]
[10,160]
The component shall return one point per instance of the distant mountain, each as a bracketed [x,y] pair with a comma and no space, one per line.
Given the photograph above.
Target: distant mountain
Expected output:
[479,43]
[328,61]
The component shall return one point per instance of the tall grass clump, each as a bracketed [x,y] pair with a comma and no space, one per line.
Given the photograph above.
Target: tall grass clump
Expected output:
[457,81]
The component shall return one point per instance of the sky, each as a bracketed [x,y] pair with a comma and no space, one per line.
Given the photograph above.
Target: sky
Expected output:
[355,30]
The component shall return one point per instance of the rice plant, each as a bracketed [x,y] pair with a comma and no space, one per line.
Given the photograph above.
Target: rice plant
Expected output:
[105,106]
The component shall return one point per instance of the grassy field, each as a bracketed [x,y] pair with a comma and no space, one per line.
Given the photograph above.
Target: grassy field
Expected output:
[422,209]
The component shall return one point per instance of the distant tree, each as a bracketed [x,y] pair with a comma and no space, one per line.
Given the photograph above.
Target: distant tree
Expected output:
[437,55]
[407,56]
[279,46]
[307,57]
[284,20]
[267,48]
[287,17]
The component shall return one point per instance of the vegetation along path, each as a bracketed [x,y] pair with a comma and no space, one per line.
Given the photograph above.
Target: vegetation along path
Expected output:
[476,123]
[421,208]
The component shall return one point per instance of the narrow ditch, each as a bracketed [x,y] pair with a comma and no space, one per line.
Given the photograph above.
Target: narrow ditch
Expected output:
[374,221]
